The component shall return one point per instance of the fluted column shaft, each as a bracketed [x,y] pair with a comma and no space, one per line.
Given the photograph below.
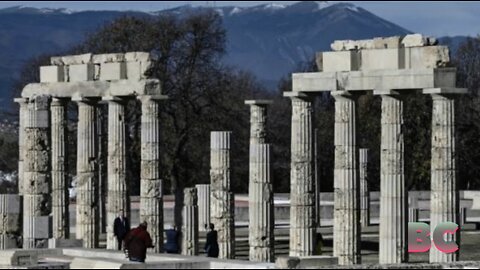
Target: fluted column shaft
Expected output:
[203,192]
[36,187]
[118,198]
[222,198]
[444,200]
[60,198]
[393,195]
[346,218]
[261,216]
[87,225]
[302,188]
[23,111]
[190,223]
[364,193]
[151,186]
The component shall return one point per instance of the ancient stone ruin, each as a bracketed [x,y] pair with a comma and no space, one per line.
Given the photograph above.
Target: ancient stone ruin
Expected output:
[390,67]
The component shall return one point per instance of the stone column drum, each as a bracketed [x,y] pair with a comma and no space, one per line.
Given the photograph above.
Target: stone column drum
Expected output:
[302,188]
[10,225]
[393,194]
[60,194]
[364,193]
[151,186]
[261,216]
[190,223]
[221,197]
[118,198]
[444,200]
[23,103]
[346,218]
[203,192]
[258,120]
[88,222]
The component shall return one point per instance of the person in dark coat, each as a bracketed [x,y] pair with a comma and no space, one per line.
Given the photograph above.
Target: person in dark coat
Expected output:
[137,241]
[211,246]
[121,226]
[173,236]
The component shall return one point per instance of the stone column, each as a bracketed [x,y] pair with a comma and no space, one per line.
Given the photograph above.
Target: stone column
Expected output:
[444,195]
[23,103]
[118,198]
[190,223]
[346,218]
[302,188]
[88,222]
[260,205]
[60,194]
[364,193]
[10,225]
[203,192]
[37,205]
[221,196]
[151,186]
[258,120]
[393,194]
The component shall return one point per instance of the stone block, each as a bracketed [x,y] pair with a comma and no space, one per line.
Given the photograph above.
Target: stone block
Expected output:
[340,61]
[387,43]
[8,241]
[71,59]
[315,261]
[108,58]
[81,73]
[18,257]
[65,243]
[285,262]
[51,74]
[42,227]
[426,57]
[139,56]
[112,71]
[417,40]
[134,71]
[380,59]
[10,204]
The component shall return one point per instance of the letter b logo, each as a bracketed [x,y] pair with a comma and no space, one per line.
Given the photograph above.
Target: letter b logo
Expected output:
[419,237]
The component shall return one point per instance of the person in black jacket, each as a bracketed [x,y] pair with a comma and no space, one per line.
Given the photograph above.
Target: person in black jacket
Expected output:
[211,246]
[173,237]
[121,226]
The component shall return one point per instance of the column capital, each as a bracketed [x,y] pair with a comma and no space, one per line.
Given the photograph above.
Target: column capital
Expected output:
[57,101]
[298,95]
[343,95]
[21,101]
[258,102]
[386,92]
[144,98]
[85,100]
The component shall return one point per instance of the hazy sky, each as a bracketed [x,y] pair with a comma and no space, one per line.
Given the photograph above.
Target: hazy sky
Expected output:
[431,18]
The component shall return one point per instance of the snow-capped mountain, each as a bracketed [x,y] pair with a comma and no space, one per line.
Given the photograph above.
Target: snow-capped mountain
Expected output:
[269,40]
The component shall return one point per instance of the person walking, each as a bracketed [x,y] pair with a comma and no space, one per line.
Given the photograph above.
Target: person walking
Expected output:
[121,226]
[173,236]
[137,241]
[211,246]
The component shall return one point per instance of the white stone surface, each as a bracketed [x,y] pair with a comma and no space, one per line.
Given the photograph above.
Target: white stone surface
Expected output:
[221,195]
[23,110]
[203,192]
[71,59]
[151,186]
[87,219]
[117,187]
[341,61]
[60,198]
[393,194]
[113,71]
[81,73]
[346,220]
[51,74]
[444,200]
[364,193]
[108,58]
[426,57]
[381,59]
[417,40]
[302,189]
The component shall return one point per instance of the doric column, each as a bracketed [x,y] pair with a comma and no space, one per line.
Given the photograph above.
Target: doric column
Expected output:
[346,218]
[190,222]
[23,110]
[302,188]
[10,225]
[444,198]
[151,186]
[36,204]
[221,196]
[87,223]
[364,193]
[60,195]
[393,194]
[260,205]
[203,192]
[258,120]
[118,198]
